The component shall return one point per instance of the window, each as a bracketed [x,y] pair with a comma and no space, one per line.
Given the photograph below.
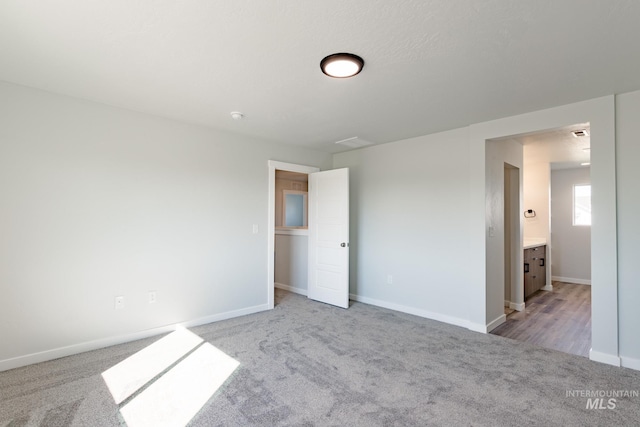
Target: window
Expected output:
[582,204]
[294,209]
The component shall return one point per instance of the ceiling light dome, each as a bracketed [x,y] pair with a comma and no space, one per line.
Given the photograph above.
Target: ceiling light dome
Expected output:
[342,65]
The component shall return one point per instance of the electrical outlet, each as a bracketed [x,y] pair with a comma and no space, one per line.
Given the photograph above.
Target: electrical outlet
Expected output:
[389,279]
[119,303]
[255,228]
[152,297]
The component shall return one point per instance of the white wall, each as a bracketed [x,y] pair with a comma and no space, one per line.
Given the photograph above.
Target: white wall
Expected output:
[628,177]
[291,262]
[406,206]
[409,219]
[421,231]
[600,113]
[536,188]
[98,202]
[571,244]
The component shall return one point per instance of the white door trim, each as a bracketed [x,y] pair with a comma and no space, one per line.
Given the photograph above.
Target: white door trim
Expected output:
[271,218]
[600,113]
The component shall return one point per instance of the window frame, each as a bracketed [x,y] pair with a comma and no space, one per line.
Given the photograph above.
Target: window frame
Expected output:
[573,205]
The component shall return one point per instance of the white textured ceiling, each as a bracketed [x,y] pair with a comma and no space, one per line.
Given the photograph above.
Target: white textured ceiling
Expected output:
[556,146]
[431,65]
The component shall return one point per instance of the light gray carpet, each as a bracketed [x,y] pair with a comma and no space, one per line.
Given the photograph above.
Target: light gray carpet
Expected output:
[305,363]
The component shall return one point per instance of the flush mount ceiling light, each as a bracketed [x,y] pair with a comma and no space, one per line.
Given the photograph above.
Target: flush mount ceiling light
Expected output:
[237,115]
[341,65]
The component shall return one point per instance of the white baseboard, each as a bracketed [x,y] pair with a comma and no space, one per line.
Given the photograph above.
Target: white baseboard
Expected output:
[456,321]
[478,327]
[514,306]
[496,322]
[571,280]
[628,362]
[70,350]
[518,306]
[295,290]
[609,359]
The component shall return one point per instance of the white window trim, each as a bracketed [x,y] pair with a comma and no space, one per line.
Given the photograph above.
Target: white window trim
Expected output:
[573,204]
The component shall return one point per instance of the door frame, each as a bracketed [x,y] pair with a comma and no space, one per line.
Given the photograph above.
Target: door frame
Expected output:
[271,218]
[600,113]
[513,222]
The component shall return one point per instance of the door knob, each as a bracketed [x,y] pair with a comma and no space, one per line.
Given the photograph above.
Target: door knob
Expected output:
[342,245]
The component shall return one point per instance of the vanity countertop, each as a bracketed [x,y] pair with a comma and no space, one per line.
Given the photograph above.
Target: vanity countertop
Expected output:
[532,242]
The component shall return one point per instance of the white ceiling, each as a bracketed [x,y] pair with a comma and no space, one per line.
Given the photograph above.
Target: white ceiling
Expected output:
[556,146]
[431,65]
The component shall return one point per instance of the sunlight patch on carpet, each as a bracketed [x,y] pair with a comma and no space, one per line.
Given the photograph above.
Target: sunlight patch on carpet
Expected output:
[131,374]
[176,396]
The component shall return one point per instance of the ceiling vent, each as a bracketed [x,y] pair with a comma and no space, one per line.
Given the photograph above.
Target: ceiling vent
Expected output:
[354,142]
[579,133]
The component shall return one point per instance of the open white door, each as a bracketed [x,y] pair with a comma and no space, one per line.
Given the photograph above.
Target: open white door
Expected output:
[329,237]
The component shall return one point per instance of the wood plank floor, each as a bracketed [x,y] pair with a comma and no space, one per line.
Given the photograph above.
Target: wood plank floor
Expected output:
[558,319]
